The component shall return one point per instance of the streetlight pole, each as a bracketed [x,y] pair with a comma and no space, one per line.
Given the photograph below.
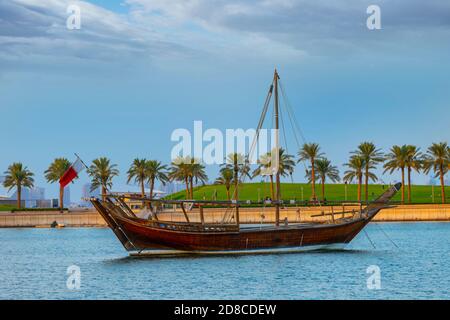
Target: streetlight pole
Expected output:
[346,191]
[432,192]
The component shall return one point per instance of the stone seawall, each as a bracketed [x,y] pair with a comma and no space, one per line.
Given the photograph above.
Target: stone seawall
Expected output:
[247,215]
[46,218]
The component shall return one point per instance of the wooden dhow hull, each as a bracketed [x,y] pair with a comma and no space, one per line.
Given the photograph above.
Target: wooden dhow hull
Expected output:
[160,237]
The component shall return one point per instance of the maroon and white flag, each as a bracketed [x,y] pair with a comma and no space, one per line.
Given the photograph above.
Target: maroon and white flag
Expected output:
[71,173]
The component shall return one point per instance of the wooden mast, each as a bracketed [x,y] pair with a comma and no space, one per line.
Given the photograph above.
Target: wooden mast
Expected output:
[277,149]
[236,186]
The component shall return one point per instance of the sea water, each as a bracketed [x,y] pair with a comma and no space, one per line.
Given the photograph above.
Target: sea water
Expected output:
[387,261]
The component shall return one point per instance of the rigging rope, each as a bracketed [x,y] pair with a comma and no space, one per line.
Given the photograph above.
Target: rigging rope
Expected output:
[291,111]
[387,236]
[285,141]
[284,133]
[370,240]
[260,122]
[292,125]
[242,176]
[293,121]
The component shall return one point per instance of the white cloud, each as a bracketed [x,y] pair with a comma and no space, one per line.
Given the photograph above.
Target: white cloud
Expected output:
[31,28]
[267,30]
[307,26]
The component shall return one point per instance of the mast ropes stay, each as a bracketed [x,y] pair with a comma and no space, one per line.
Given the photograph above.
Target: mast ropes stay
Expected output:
[276,117]
[296,130]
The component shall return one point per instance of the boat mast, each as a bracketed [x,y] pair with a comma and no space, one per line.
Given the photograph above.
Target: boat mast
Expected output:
[277,149]
[236,186]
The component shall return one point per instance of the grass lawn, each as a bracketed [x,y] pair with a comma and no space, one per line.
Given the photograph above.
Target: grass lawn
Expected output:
[5,207]
[293,191]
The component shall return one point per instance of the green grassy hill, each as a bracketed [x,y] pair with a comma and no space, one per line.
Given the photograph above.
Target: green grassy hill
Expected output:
[4,207]
[293,191]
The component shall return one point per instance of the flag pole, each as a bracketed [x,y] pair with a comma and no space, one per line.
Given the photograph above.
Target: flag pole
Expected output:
[84,164]
[87,168]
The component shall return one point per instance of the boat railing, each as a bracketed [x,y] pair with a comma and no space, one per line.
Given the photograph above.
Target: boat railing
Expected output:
[178,214]
[193,227]
[192,203]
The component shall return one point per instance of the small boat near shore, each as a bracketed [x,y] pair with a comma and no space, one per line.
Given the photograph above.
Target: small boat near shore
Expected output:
[152,236]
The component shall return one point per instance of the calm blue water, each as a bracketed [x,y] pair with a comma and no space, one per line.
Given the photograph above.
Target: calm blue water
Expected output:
[33,265]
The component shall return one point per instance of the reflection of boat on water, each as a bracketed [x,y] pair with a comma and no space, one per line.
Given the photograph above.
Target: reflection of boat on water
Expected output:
[155,236]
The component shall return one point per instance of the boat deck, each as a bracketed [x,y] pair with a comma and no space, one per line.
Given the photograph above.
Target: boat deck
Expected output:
[271,226]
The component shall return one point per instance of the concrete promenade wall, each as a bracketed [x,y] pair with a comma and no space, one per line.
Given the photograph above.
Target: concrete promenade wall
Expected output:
[45,219]
[247,215]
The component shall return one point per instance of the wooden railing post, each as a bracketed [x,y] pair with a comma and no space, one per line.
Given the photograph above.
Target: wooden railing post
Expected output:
[202,217]
[184,212]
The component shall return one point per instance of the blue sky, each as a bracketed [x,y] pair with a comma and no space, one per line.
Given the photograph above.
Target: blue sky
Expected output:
[139,69]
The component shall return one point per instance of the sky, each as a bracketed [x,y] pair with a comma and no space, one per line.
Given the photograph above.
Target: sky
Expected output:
[137,70]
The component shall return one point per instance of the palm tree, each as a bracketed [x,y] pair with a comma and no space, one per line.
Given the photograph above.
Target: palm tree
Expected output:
[413,162]
[243,166]
[311,152]
[181,171]
[396,160]
[286,166]
[18,176]
[188,169]
[102,172]
[264,166]
[198,174]
[155,171]
[287,163]
[226,178]
[324,170]
[54,173]
[356,167]
[438,159]
[371,156]
[137,172]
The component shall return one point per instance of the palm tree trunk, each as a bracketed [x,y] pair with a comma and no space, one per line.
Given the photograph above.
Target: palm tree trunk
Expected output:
[367,184]
[19,197]
[272,194]
[323,190]
[442,183]
[152,186]
[313,180]
[103,193]
[409,185]
[228,193]
[191,182]
[403,185]
[142,192]
[187,187]
[61,198]
[359,187]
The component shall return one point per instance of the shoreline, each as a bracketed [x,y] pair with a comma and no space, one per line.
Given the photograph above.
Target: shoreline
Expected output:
[91,219]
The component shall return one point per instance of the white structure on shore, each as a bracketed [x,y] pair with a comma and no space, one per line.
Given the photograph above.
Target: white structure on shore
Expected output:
[86,194]
[131,189]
